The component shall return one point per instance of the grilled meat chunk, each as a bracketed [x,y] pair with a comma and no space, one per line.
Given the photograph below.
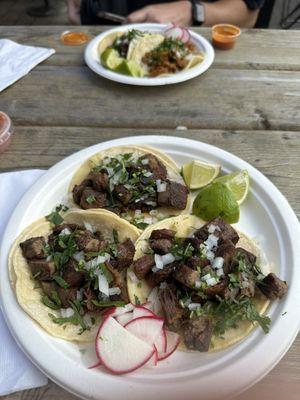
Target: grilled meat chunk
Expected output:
[175,196]
[172,311]
[195,242]
[157,168]
[248,289]
[249,258]
[71,276]
[273,287]
[116,274]
[161,246]
[227,251]
[223,231]
[90,198]
[154,278]
[65,295]
[162,234]
[89,295]
[187,276]
[123,195]
[195,262]
[86,241]
[42,269]
[99,180]
[33,248]
[78,190]
[143,265]
[197,333]
[217,290]
[125,255]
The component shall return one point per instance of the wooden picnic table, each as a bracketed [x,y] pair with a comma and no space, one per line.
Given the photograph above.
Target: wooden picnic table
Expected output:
[248,103]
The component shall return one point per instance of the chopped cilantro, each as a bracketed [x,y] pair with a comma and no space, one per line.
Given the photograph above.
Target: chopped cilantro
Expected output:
[103,303]
[137,300]
[60,281]
[90,199]
[115,236]
[55,218]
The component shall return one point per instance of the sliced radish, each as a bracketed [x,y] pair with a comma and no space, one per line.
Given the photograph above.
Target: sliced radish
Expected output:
[173,340]
[141,311]
[169,27]
[161,342]
[115,311]
[175,33]
[146,328]
[95,365]
[123,319]
[119,350]
[153,360]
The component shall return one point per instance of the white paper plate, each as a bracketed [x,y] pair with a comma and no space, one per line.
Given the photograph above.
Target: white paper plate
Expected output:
[92,59]
[265,213]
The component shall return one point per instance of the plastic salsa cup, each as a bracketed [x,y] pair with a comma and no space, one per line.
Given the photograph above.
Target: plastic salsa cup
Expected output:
[224,36]
[5,131]
[69,38]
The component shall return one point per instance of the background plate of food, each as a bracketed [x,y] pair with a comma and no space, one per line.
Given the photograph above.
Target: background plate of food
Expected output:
[149,54]
[264,214]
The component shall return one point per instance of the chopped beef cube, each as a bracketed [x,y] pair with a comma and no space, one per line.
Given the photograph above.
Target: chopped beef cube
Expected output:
[195,242]
[162,234]
[42,269]
[227,251]
[102,242]
[171,308]
[49,288]
[66,295]
[143,265]
[115,209]
[92,199]
[89,296]
[78,190]
[197,333]
[141,205]
[273,287]
[86,241]
[175,196]
[231,293]
[99,180]
[116,275]
[123,194]
[71,276]
[249,288]
[124,294]
[161,246]
[249,258]
[125,255]
[157,168]
[33,248]
[195,262]
[224,231]
[154,278]
[187,276]
[217,290]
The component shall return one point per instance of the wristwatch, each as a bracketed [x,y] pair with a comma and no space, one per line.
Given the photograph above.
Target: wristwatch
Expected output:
[198,13]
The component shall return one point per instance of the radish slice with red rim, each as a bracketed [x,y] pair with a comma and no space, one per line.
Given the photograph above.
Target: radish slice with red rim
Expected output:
[141,311]
[98,364]
[119,350]
[115,311]
[173,340]
[146,328]
[161,342]
[123,319]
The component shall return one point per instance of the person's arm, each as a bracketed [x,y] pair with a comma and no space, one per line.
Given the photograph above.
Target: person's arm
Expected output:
[74,11]
[180,12]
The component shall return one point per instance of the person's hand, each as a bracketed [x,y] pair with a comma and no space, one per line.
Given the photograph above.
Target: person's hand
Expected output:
[74,11]
[178,12]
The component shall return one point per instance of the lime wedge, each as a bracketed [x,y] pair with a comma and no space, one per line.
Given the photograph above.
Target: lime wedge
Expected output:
[130,68]
[216,200]
[198,174]
[110,58]
[238,182]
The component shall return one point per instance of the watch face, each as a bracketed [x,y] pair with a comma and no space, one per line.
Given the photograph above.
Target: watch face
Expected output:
[199,13]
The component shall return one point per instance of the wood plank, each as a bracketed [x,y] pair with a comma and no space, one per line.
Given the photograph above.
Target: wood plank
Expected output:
[281,165]
[219,99]
[256,49]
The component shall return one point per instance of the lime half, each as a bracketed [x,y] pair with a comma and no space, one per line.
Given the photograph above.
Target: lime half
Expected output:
[110,58]
[238,182]
[216,200]
[130,68]
[198,174]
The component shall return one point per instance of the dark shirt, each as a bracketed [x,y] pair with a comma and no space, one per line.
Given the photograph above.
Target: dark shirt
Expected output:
[89,8]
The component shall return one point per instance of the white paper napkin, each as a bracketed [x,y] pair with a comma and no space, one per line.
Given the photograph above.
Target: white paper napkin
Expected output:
[16,371]
[17,60]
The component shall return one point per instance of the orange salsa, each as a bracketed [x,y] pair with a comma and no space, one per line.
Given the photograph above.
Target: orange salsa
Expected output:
[74,38]
[224,36]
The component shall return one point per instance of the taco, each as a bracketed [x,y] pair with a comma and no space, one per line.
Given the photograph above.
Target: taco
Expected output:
[138,183]
[66,275]
[139,53]
[208,281]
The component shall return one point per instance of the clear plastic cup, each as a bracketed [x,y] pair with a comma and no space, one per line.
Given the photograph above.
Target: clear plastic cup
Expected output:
[5,131]
[224,36]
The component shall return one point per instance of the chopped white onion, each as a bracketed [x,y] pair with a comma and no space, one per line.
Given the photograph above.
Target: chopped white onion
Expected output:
[66,312]
[194,306]
[245,284]
[79,294]
[158,261]
[137,213]
[155,269]
[218,262]
[110,171]
[151,203]
[148,220]
[205,277]
[114,290]
[167,258]
[65,231]
[87,319]
[211,281]
[211,242]
[78,256]
[133,277]
[211,228]
[197,284]
[210,255]
[49,258]
[163,285]
[145,161]
[148,174]
[88,226]
[153,213]
[220,272]
[161,186]
[103,283]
